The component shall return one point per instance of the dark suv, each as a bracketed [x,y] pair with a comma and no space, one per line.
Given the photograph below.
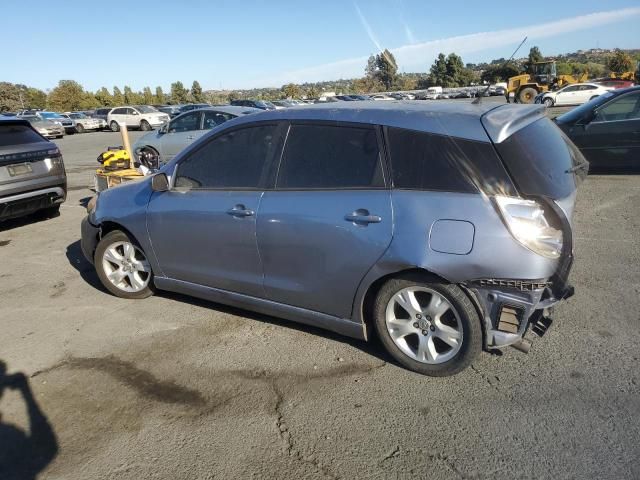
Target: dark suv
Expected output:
[261,104]
[32,175]
[444,228]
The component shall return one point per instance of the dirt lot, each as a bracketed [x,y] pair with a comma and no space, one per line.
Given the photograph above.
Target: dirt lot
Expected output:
[176,388]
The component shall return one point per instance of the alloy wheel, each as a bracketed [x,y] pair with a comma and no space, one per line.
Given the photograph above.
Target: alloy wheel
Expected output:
[126,267]
[424,325]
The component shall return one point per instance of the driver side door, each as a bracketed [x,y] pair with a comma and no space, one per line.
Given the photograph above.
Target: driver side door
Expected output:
[181,132]
[566,96]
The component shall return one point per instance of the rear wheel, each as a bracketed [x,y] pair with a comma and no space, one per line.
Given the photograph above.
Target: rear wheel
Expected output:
[527,95]
[123,267]
[430,328]
[79,128]
[114,126]
[144,125]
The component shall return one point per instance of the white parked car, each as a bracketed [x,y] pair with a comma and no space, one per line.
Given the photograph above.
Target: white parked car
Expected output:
[575,94]
[143,117]
[85,123]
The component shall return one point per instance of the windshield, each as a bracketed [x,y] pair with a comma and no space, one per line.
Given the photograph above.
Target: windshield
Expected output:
[585,109]
[145,109]
[49,115]
[540,159]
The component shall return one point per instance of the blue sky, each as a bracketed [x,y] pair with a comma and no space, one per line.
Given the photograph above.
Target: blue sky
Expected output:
[253,43]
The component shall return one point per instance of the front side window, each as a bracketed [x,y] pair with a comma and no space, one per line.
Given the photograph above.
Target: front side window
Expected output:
[625,107]
[234,160]
[185,123]
[330,157]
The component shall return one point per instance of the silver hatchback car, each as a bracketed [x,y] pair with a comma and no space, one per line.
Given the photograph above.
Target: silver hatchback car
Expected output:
[445,229]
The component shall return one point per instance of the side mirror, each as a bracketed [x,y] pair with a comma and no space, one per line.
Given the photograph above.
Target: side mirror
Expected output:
[135,113]
[159,182]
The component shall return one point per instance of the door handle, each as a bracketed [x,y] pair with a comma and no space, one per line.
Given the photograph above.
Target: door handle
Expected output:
[239,211]
[362,217]
[190,137]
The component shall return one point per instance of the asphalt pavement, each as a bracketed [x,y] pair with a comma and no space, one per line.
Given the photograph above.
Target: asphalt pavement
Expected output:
[176,388]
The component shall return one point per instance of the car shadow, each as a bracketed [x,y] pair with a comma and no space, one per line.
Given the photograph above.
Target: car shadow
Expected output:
[85,201]
[30,219]
[85,269]
[23,455]
[372,347]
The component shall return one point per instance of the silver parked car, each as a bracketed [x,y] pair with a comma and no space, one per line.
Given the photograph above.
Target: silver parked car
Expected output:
[85,123]
[46,128]
[443,228]
[32,174]
[162,145]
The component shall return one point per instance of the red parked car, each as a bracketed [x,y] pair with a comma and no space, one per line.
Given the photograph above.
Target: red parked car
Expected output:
[615,83]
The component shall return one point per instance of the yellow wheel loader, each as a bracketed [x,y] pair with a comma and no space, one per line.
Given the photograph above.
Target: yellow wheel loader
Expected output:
[524,88]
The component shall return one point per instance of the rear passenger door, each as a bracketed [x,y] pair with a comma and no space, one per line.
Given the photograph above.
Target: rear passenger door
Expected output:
[329,218]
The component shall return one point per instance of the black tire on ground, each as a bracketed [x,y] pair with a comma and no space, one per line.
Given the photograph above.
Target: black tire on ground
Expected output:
[144,126]
[470,323]
[527,95]
[79,128]
[114,126]
[106,241]
[60,136]
[548,102]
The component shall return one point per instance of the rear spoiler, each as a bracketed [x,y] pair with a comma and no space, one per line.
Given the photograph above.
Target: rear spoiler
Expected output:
[502,122]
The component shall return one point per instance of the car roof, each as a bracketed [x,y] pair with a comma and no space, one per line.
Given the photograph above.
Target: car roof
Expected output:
[4,120]
[232,109]
[456,119]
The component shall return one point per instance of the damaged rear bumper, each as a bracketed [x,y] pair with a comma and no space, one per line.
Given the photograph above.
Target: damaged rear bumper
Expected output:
[511,307]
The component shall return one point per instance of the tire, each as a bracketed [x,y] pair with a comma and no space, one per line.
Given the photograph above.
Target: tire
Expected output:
[420,348]
[527,95]
[79,128]
[60,136]
[548,102]
[122,266]
[114,126]
[144,126]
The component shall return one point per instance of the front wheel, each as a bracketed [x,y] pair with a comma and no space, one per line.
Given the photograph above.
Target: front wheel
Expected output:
[144,126]
[123,267]
[527,95]
[548,102]
[430,328]
[79,128]
[114,126]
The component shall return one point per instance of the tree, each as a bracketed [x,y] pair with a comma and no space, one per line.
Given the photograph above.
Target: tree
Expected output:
[499,73]
[386,69]
[128,95]
[36,98]
[196,92]
[312,92]
[179,94]
[147,96]
[291,90]
[620,62]
[371,68]
[534,57]
[118,98]
[68,95]
[10,97]
[438,70]
[160,99]
[104,97]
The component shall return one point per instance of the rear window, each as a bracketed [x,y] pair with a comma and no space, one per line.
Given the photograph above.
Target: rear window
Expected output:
[539,158]
[18,135]
[425,161]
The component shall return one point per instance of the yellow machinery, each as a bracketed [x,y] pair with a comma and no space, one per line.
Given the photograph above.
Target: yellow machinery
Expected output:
[525,87]
[116,169]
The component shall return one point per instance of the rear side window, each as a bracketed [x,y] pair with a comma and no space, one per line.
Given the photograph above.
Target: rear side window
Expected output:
[425,161]
[540,158]
[235,160]
[330,157]
[18,135]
